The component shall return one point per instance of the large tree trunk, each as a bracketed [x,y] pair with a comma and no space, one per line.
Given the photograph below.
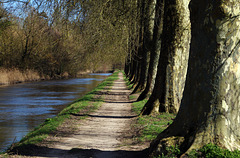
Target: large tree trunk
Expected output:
[173,61]
[155,51]
[209,111]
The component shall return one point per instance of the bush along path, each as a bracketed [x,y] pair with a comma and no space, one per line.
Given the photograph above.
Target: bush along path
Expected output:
[97,125]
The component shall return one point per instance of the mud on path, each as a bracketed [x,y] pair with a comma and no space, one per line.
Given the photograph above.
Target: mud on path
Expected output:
[101,135]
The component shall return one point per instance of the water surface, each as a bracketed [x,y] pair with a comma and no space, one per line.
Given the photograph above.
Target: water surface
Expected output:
[25,106]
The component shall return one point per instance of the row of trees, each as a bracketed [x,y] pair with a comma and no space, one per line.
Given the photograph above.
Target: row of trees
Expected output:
[187,62]
[183,54]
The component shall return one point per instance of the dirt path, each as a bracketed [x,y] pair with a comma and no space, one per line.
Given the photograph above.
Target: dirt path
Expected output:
[100,135]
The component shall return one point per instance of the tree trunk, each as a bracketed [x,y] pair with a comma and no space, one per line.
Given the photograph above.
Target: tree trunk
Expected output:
[146,39]
[139,57]
[155,51]
[132,40]
[209,111]
[133,66]
[172,66]
[127,67]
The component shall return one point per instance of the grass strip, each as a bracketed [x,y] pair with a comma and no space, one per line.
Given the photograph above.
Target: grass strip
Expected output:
[149,127]
[87,103]
[128,83]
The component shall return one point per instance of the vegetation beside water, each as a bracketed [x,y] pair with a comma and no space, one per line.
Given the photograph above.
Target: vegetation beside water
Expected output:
[10,76]
[88,103]
[58,38]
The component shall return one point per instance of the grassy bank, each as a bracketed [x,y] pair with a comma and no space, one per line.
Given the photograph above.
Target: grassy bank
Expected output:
[83,106]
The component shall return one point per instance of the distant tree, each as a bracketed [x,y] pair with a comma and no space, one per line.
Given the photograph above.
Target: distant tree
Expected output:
[4,19]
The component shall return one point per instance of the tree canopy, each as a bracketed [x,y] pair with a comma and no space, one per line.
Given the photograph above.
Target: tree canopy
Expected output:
[56,37]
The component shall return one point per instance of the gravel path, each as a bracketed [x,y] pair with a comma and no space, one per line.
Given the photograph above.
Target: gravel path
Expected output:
[100,135]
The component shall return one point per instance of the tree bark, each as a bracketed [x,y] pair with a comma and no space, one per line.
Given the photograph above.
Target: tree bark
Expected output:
[139,53]
[209,109]
[155,51]
[146,39]
[132,40]
[133,69]
[172,65]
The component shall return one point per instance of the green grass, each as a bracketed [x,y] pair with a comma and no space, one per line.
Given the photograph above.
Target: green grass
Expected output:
[131,97]
[213,151]
[207,151]
[173,151]
[87,103]
[137,106]
[128,83]
[153,125]
[150,126]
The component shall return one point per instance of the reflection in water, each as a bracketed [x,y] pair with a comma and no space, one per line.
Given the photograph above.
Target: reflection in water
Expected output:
[25,106]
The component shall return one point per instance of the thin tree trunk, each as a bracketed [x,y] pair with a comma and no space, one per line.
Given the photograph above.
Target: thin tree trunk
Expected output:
[139,56]
[133,37]
[155,51]
[132,70]
[209,109]
[147,33]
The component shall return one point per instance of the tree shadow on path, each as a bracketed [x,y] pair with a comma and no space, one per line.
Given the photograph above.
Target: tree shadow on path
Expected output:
[38,151]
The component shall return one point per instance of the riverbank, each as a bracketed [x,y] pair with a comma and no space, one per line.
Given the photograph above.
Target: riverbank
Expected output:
[85,105]
[13,76]
[107,131]
[104,122]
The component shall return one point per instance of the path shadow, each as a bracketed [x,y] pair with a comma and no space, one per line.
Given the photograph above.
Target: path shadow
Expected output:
[38,151]
[94,153]
[99,116]
[124,102]
[119,88]
[110,93]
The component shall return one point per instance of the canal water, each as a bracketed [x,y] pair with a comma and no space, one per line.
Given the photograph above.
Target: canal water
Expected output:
[25,106]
